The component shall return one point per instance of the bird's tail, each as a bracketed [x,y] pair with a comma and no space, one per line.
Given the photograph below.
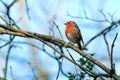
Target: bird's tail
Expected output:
[82,41]
[79,45]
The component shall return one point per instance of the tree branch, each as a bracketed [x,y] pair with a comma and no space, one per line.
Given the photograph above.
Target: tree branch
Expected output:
[45,39]
[112,26]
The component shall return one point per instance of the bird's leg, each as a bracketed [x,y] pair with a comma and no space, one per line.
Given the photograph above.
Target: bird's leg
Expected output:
[71,43]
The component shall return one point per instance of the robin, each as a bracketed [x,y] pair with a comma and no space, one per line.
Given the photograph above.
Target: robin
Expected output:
[73,33]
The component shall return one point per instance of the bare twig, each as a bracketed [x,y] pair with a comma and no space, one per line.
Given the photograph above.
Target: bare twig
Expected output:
[59,68]
[104,31]
[105,17]
[58,30]
[108,49]
[12,73]
[35,77]
[88,18]
[111,59]
[6,64]
[112,15]
[8,7]
[27,9]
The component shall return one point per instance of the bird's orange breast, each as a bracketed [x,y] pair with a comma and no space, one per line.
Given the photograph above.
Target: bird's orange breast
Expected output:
[69,29]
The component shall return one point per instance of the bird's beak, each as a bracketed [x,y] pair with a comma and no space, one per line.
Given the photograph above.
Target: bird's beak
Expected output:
[64,23]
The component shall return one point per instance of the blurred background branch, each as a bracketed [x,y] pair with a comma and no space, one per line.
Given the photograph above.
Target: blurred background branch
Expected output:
[33,44]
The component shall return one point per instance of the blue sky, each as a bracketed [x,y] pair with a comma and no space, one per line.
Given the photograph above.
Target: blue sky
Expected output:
[42,12]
